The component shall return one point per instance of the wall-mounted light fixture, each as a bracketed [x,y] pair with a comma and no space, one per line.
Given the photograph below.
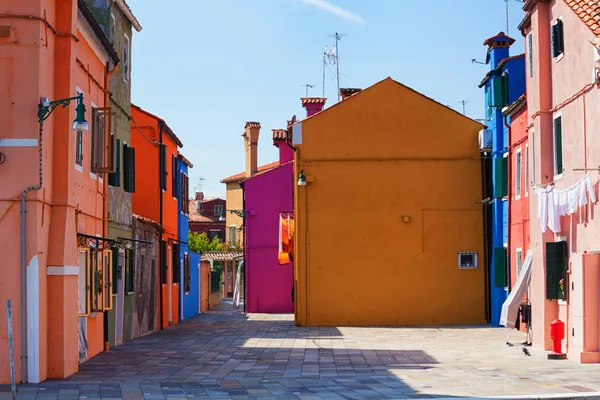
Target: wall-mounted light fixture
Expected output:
[46,107]
[301,179]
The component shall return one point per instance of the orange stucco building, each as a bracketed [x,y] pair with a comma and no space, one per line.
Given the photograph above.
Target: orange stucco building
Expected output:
[387,226]
[53,50]
[154,198]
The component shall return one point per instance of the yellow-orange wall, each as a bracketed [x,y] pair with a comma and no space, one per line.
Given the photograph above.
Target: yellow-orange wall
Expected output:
[235,201]
[381,154]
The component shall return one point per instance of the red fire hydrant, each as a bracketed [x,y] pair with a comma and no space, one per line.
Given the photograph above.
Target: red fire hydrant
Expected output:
[557,334]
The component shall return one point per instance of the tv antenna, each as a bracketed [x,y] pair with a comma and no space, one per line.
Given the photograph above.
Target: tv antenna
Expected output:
[198,187]
[307,87]
[464,103]
[507,23]
[336,50]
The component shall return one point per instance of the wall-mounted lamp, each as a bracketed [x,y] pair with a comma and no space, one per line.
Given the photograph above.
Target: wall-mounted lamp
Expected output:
[302,179]
[239,213]
[46,107]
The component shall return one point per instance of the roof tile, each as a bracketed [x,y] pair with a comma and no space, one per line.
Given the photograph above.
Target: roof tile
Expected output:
[588,11]
[242,175]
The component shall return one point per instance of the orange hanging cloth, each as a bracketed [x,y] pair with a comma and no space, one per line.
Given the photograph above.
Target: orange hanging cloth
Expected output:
[284,241]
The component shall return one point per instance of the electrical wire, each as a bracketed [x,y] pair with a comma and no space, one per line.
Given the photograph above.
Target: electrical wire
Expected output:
[141,133]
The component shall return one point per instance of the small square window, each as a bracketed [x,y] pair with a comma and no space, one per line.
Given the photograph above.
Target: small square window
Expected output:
[467,260]
[218,210]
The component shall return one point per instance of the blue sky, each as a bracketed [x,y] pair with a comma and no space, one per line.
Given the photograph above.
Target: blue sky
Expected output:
[207,67]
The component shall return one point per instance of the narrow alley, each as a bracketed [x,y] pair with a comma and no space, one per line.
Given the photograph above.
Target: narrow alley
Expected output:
[225,354]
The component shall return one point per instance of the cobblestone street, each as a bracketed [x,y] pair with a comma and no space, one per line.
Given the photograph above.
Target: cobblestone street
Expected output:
[224,355]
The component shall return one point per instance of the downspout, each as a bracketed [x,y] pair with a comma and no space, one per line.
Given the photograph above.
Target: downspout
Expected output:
[24,262]
[246,258]
[107,76]
[162,256]
[509,194]
[486,286]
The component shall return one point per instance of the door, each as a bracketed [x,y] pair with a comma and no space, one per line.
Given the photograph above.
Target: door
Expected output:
[120,297]
[83,303]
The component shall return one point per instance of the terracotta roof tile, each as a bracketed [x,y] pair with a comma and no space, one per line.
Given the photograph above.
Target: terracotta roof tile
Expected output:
[222,256]
[242,175]
[279,134]
[197,216]
[588,11]
[500,35]
[499,68]
[347,92]
[251,124]
[313,100]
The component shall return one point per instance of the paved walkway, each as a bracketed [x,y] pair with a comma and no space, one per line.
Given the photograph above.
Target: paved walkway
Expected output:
[221,355]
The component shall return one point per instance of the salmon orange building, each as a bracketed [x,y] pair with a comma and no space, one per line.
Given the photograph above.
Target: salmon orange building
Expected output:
[407,171]
[54,66]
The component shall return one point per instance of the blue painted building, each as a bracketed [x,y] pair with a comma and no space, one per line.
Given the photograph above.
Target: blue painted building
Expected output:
[504,83]
[189,262]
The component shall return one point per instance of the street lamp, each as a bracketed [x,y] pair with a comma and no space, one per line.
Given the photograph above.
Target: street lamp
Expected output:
[46,107]
[302,179]
[239,213]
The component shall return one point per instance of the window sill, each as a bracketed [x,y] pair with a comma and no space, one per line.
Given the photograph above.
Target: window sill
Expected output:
[560,57]
[93,314]
[518,197]
[78,168]
[562,302]
[129,293]
[559,177]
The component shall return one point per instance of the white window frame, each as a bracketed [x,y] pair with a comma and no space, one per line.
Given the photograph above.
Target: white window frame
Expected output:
[126,60]
[505,155]
[113,29]
[532,135]
[78,167]
[518,260]
[526,169]
[220,206]
[505,245]
[518,175]
[557,176]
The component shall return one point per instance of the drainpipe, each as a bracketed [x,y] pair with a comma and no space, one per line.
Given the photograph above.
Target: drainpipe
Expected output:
[24,262]
[160,135]
[485,242]
[246,259]
[509,194]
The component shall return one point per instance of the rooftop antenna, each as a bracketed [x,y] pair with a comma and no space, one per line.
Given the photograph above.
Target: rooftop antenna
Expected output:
[308,86]
[198,187]
[464,103]
[337,37]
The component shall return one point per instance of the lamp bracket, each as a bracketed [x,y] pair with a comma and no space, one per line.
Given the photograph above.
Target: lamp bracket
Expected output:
[45,110]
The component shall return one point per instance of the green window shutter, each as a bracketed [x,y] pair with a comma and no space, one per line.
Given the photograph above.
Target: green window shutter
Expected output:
[504,176]
[130,271]
[115,270]
[504,89]
[530,49]
[114,179]
[498,177]
[175,264]
[489,109]
[560,36]
[500,278]
[497,95]
[163,261]
[129,173]
[555,41]
[174,174]
[558,154]
[163,167]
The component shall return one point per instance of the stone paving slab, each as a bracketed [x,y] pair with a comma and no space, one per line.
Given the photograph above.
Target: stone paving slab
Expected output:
[235,356]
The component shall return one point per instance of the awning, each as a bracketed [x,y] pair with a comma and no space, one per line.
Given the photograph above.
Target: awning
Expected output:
[510,308]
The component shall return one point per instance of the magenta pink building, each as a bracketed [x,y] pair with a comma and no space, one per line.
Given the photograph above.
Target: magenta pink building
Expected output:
[267,195]
[562,42]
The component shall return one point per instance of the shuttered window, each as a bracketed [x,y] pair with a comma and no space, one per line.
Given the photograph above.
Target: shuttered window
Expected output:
[129,271]
[185,194]
[558,153]
[500,177]
[175,262]
[500,275]
[530,50]
[174,174]
[115,270]
[129,169]
[186,272]
[163,261]
[556,270]
[163,167]
[114,179]
[558,44]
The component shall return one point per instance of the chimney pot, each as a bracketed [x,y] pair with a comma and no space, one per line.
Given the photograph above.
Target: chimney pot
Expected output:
[251,135]
[347,92]
[313,105]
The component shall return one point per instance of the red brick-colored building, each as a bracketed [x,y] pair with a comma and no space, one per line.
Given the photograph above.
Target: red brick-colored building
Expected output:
[205,216]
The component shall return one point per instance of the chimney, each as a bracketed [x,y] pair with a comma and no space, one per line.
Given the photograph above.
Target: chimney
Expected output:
[251,142]
[498,49]
[199,196]
[347,92]
[286,153]
[313,105]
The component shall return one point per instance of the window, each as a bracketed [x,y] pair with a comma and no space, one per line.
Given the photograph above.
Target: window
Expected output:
[125,61]
[114,178]
[185,195]
[500,87]
[500,275]
[518,175]
[218,210]
[558,155]
[98,266]
[187,278]
[163,167]
[467,260]
[174,175]
[129,271]
[128,168]
[526,169]
[519,260]
[215,233]
[84,278]
[175,263]
[215,281]
[530,50]
[532,136]
[163,261]
[115,269]
[500,177]
[232,235]
[79,144]
[556,270]
[102,142]
[490,109]
[558,45]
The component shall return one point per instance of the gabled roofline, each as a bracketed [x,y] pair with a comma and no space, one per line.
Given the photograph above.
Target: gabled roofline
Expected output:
[185,160]
[499,68]
[515,106]
[357,95]
[162,122]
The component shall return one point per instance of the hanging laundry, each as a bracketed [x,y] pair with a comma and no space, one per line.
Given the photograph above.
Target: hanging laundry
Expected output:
[284,241]
[553,211]
[542,208]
